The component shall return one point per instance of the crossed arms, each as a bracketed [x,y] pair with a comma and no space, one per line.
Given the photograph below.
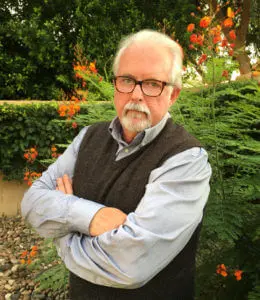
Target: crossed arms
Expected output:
[106,219]
[107,247]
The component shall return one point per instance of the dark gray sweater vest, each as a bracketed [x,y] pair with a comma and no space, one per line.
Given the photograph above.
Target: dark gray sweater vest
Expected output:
[121,184]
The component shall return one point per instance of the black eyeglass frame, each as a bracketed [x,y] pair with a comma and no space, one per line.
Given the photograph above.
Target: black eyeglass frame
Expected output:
[140,82]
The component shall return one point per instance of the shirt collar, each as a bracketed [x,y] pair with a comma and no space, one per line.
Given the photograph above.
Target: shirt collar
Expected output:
[143,138]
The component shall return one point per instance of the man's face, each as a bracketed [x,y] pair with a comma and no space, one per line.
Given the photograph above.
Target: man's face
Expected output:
[136,111]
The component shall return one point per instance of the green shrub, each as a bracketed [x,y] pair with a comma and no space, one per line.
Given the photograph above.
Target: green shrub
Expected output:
[27,125]
[227,124]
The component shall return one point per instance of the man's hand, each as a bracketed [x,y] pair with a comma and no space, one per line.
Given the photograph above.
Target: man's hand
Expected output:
[64,184]
[106,219]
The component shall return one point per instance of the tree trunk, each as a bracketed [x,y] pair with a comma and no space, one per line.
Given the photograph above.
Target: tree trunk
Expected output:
[241,31]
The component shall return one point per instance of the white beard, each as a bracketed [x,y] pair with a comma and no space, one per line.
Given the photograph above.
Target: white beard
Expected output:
[138,112]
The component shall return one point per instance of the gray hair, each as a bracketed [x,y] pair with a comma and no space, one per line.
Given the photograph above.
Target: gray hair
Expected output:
[156,38]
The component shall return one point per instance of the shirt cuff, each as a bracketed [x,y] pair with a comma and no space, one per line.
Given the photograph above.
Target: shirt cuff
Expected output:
[81,213]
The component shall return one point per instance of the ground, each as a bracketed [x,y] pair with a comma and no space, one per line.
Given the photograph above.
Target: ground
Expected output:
[16,279]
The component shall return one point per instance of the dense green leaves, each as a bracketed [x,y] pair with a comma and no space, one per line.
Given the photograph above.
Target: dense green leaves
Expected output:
[37,39]
[231,223]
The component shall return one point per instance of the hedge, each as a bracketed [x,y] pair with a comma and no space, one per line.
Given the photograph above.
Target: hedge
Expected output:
[38,124]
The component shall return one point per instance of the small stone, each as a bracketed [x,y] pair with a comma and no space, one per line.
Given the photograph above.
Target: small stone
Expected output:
[7,273]
[1,274]
[8,296]
[8,287]
[31,284]
[27,292]
[11,281]
[5,267]
[14,261]
[15,296]
[2,261]
[15,268]
[38,296]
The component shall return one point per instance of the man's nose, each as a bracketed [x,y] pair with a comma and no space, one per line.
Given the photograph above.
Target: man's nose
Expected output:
[137,93]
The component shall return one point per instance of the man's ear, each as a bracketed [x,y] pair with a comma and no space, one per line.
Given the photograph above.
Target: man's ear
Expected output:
[174,95]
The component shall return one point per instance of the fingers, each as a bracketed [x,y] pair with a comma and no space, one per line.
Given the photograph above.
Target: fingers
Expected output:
[64,184]
[68,184]
[60,185]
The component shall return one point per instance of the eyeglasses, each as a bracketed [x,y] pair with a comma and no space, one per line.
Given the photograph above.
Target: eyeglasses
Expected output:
[150,87]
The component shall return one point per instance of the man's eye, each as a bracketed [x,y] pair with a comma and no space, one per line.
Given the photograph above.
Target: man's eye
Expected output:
[154,84]
[127,81]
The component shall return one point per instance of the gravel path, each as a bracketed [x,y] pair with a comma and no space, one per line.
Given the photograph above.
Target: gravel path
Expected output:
[16,280]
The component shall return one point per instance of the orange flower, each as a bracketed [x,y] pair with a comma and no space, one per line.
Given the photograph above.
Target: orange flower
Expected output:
[74,125]
[232,34]
[215,30]
[200,39]
[223,273]
[92,67]
[216,39]
[202,59]
[205,21]
[33,253]
[53,149]
[22,261]
[193,38]
[231,52]
[191,47]
[225,73]
[190,27]
[31,154]
[238,274]
[230,12]
[255,73]
[24,254]
[222,270]
[228,23]
[34,248]
[224,43]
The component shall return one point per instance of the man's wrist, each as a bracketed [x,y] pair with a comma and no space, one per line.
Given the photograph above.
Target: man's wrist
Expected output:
[81,213]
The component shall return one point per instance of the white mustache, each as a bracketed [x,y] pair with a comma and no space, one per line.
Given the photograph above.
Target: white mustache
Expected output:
[137,107]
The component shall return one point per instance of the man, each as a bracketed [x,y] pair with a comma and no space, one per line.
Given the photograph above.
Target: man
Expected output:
[127,224]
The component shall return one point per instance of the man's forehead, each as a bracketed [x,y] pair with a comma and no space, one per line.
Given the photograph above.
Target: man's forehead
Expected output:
[146,60]
[146,48]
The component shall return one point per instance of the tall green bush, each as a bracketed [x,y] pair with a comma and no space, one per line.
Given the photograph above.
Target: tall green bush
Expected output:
[230,233]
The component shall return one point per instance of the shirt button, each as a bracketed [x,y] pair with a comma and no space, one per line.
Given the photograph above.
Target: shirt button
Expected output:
[126,150]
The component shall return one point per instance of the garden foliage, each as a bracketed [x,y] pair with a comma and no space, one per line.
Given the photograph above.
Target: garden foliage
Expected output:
[37,126]
[230,233]
[228,257]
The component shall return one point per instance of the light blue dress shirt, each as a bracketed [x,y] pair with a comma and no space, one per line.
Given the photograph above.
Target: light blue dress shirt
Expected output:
[153,234]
